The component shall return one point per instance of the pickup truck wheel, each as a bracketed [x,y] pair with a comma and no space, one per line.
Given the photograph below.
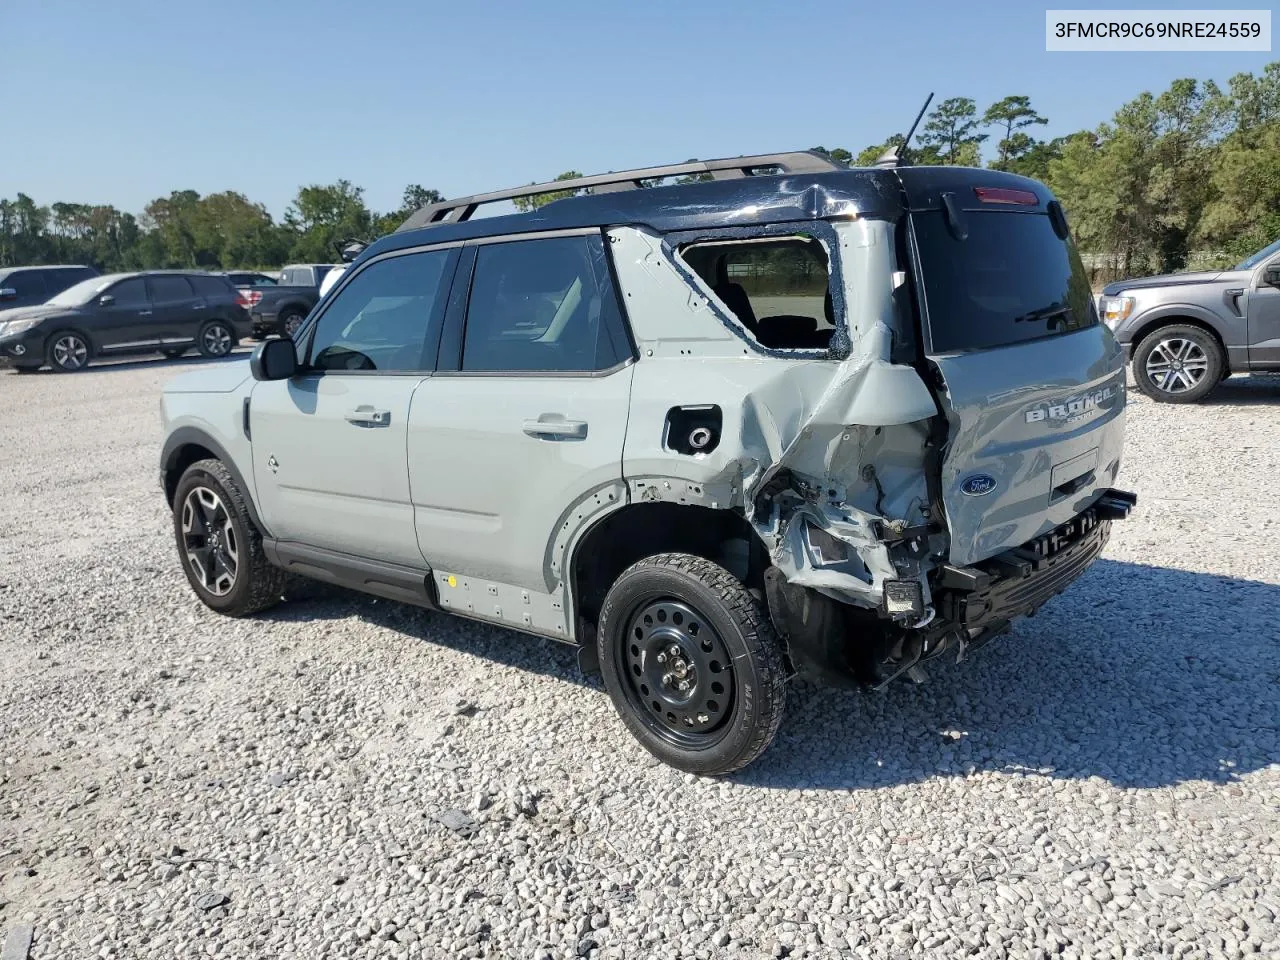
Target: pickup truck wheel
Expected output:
[290,322]
[692,663]
[216,339]
[220,548]
[1178,364]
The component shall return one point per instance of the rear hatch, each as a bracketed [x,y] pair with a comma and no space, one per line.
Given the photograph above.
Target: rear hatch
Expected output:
[1031,384]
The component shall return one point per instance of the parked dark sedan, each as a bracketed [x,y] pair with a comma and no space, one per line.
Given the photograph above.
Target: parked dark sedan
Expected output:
[160,311]
[28,286]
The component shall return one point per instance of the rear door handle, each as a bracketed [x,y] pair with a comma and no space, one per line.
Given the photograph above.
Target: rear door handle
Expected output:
[557,428]
[367,416]
[144,313]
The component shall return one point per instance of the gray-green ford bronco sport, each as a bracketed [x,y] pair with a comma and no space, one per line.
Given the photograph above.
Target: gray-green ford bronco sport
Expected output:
[789,419]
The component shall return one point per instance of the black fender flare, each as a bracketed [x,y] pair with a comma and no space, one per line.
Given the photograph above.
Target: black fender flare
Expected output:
[190,436]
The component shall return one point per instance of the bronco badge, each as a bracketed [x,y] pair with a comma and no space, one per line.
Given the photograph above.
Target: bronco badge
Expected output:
[1072,408]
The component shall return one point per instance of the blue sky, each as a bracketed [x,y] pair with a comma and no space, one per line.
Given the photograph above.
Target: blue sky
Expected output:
[119,102]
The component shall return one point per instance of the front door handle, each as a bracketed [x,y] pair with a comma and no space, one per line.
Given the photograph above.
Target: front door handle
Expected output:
[144,313]
[557,428]
[367,416]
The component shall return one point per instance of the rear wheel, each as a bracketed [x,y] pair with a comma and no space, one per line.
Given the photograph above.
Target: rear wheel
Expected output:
[216,339]
[220,548]
[691,663]
[68,351]
[1178,364]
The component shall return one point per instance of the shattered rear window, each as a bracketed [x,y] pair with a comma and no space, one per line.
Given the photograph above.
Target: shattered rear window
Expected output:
[777,287]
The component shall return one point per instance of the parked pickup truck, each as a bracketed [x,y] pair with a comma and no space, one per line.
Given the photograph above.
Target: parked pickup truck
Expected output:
[281,309]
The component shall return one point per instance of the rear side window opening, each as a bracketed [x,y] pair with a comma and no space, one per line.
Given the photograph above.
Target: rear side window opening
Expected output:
[777,287]
[1010,279]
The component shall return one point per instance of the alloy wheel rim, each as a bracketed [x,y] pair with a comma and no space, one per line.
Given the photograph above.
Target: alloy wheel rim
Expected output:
[1176,365]
[70,352]
[217,340]
[209,537]
[291,325]
[677,673]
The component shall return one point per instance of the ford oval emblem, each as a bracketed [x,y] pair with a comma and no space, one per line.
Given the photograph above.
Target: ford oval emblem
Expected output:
[978,485]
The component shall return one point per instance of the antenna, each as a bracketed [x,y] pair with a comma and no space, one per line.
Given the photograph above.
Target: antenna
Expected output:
[896,156]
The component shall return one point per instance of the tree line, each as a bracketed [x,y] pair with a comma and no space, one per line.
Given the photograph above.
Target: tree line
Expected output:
[1186,177]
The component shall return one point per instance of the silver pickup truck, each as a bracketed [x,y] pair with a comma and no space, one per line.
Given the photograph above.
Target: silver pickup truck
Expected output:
[1186,332]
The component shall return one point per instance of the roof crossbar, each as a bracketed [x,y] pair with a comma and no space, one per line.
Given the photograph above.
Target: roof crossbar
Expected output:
[456,211]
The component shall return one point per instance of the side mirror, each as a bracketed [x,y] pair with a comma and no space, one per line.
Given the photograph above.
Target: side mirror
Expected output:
[106,300]
[1271,276]
[8,293]
[275,359]
[352,250]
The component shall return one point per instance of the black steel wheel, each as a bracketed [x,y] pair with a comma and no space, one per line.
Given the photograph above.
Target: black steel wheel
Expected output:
[677,666]
[218,544]
[691,663]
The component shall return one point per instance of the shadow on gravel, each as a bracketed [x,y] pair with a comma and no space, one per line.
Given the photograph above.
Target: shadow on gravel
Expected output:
[520,651]
[1246,391]
[1143,676]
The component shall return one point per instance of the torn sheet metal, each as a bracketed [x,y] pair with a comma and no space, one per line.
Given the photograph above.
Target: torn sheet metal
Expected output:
[836,444]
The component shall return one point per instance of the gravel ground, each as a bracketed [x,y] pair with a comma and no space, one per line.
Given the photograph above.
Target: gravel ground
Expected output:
[346,777]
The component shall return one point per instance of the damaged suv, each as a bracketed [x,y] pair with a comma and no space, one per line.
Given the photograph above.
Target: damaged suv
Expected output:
[797,419]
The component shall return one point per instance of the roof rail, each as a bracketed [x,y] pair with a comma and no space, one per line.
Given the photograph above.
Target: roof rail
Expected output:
[456,211]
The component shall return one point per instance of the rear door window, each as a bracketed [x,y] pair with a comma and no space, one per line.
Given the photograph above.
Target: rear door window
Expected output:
[169,290]
[541,305]
[1012,279]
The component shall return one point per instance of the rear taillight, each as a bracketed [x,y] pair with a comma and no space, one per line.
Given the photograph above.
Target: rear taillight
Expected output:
[1007,195]
[249,298]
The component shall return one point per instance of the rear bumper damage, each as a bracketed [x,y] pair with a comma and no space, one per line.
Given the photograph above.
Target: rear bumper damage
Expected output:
[836,643]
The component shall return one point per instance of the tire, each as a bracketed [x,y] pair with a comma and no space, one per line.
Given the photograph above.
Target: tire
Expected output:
[218,545]
[1178,364]
[290,321]
[216,339]
[174,354]
[725,650]
[69,351]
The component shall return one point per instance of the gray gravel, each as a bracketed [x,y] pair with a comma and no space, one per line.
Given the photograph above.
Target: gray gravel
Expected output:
[347,777]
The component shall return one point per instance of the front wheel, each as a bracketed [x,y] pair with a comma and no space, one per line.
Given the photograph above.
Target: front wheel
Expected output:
[692,664]
[216,339]
[1178,364]
[290,322]
[68,352]
[220,548]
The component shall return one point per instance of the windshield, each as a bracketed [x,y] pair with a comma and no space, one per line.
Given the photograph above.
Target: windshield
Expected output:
[82,292]
[1011,279]
[1248,263]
